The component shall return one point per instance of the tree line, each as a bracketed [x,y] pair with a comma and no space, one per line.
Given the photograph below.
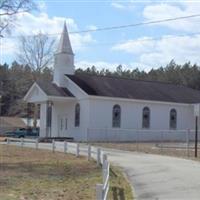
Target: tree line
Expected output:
[187,74]
[16,79]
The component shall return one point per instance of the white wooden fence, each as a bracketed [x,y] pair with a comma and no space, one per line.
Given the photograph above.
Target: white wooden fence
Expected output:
[22,141]
[102,189]
[75,148]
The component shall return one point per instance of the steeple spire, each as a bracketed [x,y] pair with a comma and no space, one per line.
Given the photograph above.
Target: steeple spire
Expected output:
[64,43]
[63,59]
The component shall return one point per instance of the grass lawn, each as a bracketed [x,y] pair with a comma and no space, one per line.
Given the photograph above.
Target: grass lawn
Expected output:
[29,174]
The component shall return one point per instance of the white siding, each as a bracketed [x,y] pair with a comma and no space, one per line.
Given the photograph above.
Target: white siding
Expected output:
[35,95]
[67,110]
[131,114]
[100,124]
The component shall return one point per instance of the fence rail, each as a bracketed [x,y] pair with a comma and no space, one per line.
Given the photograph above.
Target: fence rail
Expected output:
[22,141]
[77,149]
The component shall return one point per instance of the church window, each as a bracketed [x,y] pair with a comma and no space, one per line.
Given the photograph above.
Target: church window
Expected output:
[77,115]
[61,124]
[173,119]
[146,118]
[116,118]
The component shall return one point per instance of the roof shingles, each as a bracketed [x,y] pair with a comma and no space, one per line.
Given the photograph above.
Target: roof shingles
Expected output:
[52,89]
[135,89]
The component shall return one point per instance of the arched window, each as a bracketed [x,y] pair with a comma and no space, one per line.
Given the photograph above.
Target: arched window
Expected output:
[146,117]
[173,119]
[77,115]
[116,116]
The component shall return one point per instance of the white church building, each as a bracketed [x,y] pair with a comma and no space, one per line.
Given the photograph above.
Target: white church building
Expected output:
[102,108]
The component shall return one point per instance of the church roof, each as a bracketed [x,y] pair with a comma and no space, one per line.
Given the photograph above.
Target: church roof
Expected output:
[64,45]
[51,89]
[135,89]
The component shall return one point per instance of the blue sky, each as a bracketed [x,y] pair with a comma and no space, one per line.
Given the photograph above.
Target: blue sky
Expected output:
[131,47]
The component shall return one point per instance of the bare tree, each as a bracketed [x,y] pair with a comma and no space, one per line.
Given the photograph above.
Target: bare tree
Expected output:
[9,10]
[36,51]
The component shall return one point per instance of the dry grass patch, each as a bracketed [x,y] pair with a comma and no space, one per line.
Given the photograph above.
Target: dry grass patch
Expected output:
[28,174]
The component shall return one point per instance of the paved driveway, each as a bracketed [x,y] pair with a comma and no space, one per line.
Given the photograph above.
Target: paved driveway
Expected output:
[159,177]
[154,176]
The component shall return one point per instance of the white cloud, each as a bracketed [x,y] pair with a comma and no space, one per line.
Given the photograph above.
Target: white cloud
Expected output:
[155,53]
[28,24]
[101,64]
[117,5]
[91,27]
[112,66]
[138,46]
[98,64]
[127,5]
[42,6]
[7,49]
[159,11]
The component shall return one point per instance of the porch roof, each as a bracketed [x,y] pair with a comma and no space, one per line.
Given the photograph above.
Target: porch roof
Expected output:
[52,89]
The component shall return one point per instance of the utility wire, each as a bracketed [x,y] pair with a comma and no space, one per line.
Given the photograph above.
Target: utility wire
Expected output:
[166,37]
[122,26]
[137,24]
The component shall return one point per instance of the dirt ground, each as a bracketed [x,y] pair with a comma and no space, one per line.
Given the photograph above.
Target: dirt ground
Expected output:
[29,174]
[170,149]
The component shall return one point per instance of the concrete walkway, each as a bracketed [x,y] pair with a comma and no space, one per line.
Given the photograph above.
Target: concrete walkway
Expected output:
[153,176]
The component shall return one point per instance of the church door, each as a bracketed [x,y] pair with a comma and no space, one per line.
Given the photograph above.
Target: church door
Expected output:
[62,126]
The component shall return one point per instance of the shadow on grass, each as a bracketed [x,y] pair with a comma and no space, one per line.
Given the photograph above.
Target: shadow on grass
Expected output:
[118,193]
[9,172]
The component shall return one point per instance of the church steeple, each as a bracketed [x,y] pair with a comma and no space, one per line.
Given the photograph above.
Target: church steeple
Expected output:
[64,44]
[63,59]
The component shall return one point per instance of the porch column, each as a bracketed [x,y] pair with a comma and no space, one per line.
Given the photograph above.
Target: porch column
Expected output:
[32,115]
[49,105]
[29,113]
[35,115]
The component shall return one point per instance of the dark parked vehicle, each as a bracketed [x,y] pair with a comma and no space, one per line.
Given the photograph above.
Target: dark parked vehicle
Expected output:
[23,133]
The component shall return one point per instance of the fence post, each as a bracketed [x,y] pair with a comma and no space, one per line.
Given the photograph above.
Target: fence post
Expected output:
[161,142]
[98,156]
[53,146]
[22,142]
[77,150]
[105,171]
[65,146]
[89,152]
[36,143]
[137,140]
[99,191]
[188,142]
[8,141]
[104,160]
